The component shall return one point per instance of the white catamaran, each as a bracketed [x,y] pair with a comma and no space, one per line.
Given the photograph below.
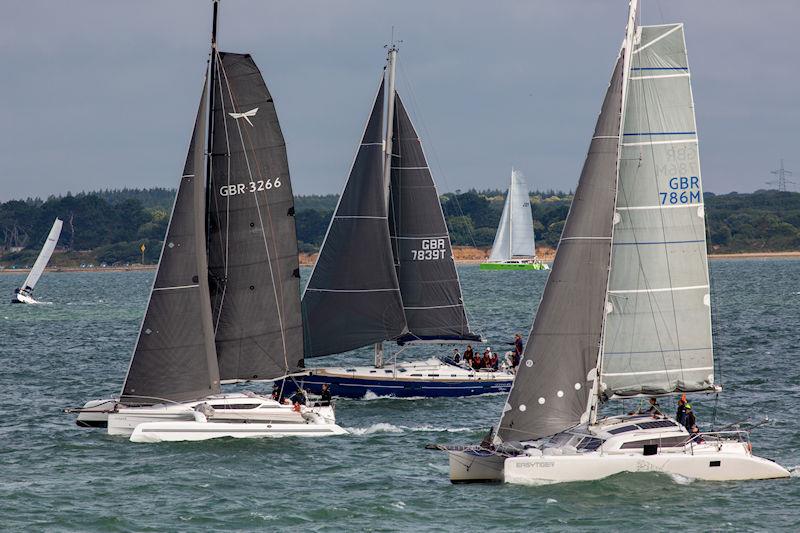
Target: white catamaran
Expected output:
[626,311]
[514,245]
[225,303]
[386,270]
[24,294]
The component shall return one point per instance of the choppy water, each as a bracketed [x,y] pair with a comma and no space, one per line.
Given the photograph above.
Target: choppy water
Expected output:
[56,476]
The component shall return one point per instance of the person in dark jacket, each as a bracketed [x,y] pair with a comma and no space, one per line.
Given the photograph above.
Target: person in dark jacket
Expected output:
[299,397]
[680,415]
[468,354]
[325,395]
[689,420]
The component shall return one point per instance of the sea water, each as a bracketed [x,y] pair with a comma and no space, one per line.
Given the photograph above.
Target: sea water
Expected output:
[55,476]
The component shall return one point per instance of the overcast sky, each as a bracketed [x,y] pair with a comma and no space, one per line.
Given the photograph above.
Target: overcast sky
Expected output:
[102,93]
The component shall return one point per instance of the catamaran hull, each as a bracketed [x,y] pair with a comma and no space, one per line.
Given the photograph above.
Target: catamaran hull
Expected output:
[198,431]
[709,467]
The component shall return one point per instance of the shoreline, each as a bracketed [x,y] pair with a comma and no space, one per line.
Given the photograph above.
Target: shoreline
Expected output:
[307,260]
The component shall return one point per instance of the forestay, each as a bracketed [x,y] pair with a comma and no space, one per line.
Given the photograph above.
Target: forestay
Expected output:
[515,236]
[44,256]
[252,244]
[658,327]
[174,358]
[552,386]
[426,271]
[353,298]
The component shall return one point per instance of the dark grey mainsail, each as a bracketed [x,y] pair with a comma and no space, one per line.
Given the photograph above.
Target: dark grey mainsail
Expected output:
[352,298]
[253,264]
[553,384]
[429,284]
[174,358]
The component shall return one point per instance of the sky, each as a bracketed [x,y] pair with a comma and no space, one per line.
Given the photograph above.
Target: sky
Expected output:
[102,93]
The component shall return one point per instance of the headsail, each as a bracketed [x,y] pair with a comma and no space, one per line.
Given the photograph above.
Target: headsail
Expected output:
[352,298]
[658,329]
[552,386]
[44,257]
[432,299]
[515,236]
[253,264]
[174,357]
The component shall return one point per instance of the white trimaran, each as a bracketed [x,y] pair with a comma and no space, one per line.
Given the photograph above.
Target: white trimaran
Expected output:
[626,311]
[225,303]
[24,294]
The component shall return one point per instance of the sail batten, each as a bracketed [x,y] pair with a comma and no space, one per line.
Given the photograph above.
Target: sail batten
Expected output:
[353,298]
[174,357]
[426,272]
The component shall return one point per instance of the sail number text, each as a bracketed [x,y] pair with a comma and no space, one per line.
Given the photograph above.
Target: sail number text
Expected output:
[432,249]
[253,186]
[683,190]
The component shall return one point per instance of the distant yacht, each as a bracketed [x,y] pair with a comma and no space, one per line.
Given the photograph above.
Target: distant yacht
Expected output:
[514,245]
[225,302]
[24,294]
[386,272]
[626,312]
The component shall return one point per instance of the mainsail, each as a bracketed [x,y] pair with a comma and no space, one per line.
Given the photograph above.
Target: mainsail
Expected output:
[515,234]
[252,245]
[658,328]
[552,386]
[429,283]
[174,358]
[44,257]
[352,298]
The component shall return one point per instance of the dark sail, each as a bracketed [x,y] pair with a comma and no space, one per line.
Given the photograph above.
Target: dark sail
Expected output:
[253,264]
[426,271]
[352,298]
[552,387]
[174,358]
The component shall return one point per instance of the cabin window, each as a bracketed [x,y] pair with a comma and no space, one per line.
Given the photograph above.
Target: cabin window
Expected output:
[235,406]
[715,463]
[623,429]
[669,442]
[656,424]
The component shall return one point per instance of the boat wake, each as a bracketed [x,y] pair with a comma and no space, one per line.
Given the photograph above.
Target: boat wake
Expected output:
[681,480]
[383,427]
[794,471]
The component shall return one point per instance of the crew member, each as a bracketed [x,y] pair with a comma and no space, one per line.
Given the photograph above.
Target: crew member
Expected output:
[325,395]
[689,420]
[299,397]
[680,415]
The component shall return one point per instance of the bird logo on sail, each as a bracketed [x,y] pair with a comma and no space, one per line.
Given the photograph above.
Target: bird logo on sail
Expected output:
[246,115]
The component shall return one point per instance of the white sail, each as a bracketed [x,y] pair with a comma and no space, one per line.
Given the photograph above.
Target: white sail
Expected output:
[515,234]
[44,257]
[657,334]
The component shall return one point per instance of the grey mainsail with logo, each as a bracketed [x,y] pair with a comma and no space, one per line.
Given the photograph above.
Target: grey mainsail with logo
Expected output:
[252,245]
[174,358]
[352,298]
[551,389]
[658,331]
[426,271]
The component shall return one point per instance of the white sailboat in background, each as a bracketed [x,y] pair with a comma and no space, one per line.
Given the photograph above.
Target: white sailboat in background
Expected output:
[514,245]
[626,311]
[24,294]
[225,302]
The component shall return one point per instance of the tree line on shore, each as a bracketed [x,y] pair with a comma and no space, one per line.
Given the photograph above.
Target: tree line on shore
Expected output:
[110,226]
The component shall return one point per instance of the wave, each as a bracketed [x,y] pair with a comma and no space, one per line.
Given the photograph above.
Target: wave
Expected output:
[383,427]
[681,480]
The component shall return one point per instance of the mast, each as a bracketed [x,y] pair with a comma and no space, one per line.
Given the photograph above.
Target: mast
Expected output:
[387,151]
[511,217]
[630,30]
[212,65]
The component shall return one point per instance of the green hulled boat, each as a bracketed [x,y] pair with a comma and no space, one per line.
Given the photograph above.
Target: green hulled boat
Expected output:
[514,265]
[514,247]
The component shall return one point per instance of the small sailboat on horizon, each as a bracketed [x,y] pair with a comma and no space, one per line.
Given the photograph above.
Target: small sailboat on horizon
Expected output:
[225,301]
[24,294]
[626,312]
[514,245]
[386,273]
